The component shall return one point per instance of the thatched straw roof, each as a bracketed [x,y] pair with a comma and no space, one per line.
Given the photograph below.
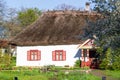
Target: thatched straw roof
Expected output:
[55,27]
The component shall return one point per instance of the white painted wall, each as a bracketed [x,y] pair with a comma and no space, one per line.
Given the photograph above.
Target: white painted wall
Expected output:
[46,55]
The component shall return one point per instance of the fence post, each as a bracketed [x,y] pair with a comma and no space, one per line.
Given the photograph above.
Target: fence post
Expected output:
[103,78]
[15,78]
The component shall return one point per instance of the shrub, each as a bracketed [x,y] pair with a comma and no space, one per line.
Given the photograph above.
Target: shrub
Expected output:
[104,64]
[116,63]
[77,63]
[106,61]
[116,59]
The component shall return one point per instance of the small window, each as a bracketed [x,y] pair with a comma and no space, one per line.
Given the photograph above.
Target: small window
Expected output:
[59,55]
[33,55]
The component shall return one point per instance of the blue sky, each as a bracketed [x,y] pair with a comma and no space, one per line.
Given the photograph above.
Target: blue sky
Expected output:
[43,4]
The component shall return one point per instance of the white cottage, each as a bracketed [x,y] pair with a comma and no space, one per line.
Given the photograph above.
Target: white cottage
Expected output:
[53,39]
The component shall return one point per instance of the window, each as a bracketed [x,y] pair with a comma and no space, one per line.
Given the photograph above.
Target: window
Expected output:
[59,55]
[33,55]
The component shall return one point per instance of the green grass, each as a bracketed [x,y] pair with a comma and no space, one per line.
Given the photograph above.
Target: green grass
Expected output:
[114,73]
[22,75]
[36,75]
[76,76]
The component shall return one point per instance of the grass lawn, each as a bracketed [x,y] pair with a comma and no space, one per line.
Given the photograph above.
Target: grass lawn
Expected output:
[115,74]
[109,74]
[22,75]
[36,75]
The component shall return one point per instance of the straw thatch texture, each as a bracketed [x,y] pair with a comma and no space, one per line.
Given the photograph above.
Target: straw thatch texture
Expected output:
[55,27]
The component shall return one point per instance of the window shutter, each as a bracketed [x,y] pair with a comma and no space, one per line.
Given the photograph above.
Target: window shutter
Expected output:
[53,55]
[28,55]
[39,55]
[64,55]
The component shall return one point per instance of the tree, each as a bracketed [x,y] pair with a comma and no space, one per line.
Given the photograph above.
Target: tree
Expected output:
[107,28]
[11,25]
[2,15]
[28,16]
[17,21]
[2,10]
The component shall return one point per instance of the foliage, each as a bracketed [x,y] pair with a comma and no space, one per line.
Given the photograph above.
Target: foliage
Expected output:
[74,76]
[35,75]
[47,68]
[8,22]
[11,24]
[77,63]
[113,73]
[28,16]
[5,60]
[104,6]
[17,21]
[107,60]
[116,60]
[13,61]
[22,75]
[106,30]
[13,21]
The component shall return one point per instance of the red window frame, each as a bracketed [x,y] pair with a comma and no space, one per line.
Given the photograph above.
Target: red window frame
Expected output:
[59,55]
[33,55]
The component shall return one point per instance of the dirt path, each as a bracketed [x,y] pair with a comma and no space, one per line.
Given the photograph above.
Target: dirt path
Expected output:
[100,73]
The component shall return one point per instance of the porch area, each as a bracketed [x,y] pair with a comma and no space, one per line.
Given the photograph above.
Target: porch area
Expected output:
[89,56]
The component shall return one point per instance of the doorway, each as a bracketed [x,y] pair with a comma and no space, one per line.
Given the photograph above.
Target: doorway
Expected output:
[93,57]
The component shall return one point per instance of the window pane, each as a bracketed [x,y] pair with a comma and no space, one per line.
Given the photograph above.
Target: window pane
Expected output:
[57,56]
[32,56]
[61,58]
[35,56]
